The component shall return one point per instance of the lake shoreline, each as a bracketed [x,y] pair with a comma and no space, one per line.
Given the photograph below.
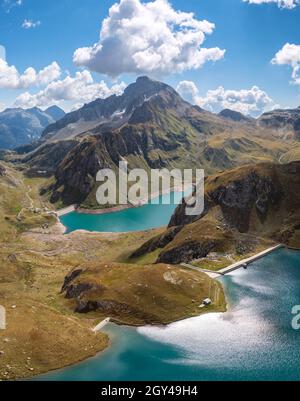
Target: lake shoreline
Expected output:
[154,340]
[119,208]
[100,354]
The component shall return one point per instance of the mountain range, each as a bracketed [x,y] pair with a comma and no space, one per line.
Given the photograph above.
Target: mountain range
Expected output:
[19,126]
[151,126]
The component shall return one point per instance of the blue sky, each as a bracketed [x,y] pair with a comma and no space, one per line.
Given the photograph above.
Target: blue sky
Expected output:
[251,35]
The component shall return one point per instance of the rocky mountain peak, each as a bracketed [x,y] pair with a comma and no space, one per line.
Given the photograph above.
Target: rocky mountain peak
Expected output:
[113,111]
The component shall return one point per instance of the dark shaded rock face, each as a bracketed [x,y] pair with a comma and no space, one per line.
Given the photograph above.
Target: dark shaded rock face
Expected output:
[106,306]
[75,291]
[70,277]
[187,251]
[160,242]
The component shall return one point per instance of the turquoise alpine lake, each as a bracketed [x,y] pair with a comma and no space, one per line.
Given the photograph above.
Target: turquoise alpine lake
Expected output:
[254,340]
[151,215]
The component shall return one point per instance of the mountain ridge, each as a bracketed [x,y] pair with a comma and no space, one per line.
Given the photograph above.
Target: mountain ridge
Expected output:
[149,126]
[244,207]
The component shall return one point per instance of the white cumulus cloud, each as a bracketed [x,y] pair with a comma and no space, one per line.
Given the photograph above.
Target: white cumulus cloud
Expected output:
[253,101]
[289,55]
[10,78]
[189,91]
[281,3]
[81,88]
[150,37]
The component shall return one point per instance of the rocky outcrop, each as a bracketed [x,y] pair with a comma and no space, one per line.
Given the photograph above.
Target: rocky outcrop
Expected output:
[187,251]
[159,133]
[55,112]
[107,306]
[70,277]
[75,291]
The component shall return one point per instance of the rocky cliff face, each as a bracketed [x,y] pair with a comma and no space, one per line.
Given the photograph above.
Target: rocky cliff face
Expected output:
[239,198]
[253,201]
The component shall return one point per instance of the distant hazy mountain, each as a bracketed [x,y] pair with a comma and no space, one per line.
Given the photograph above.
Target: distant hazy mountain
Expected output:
[19,127]
[235,116]
[285,121]
[55,112]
